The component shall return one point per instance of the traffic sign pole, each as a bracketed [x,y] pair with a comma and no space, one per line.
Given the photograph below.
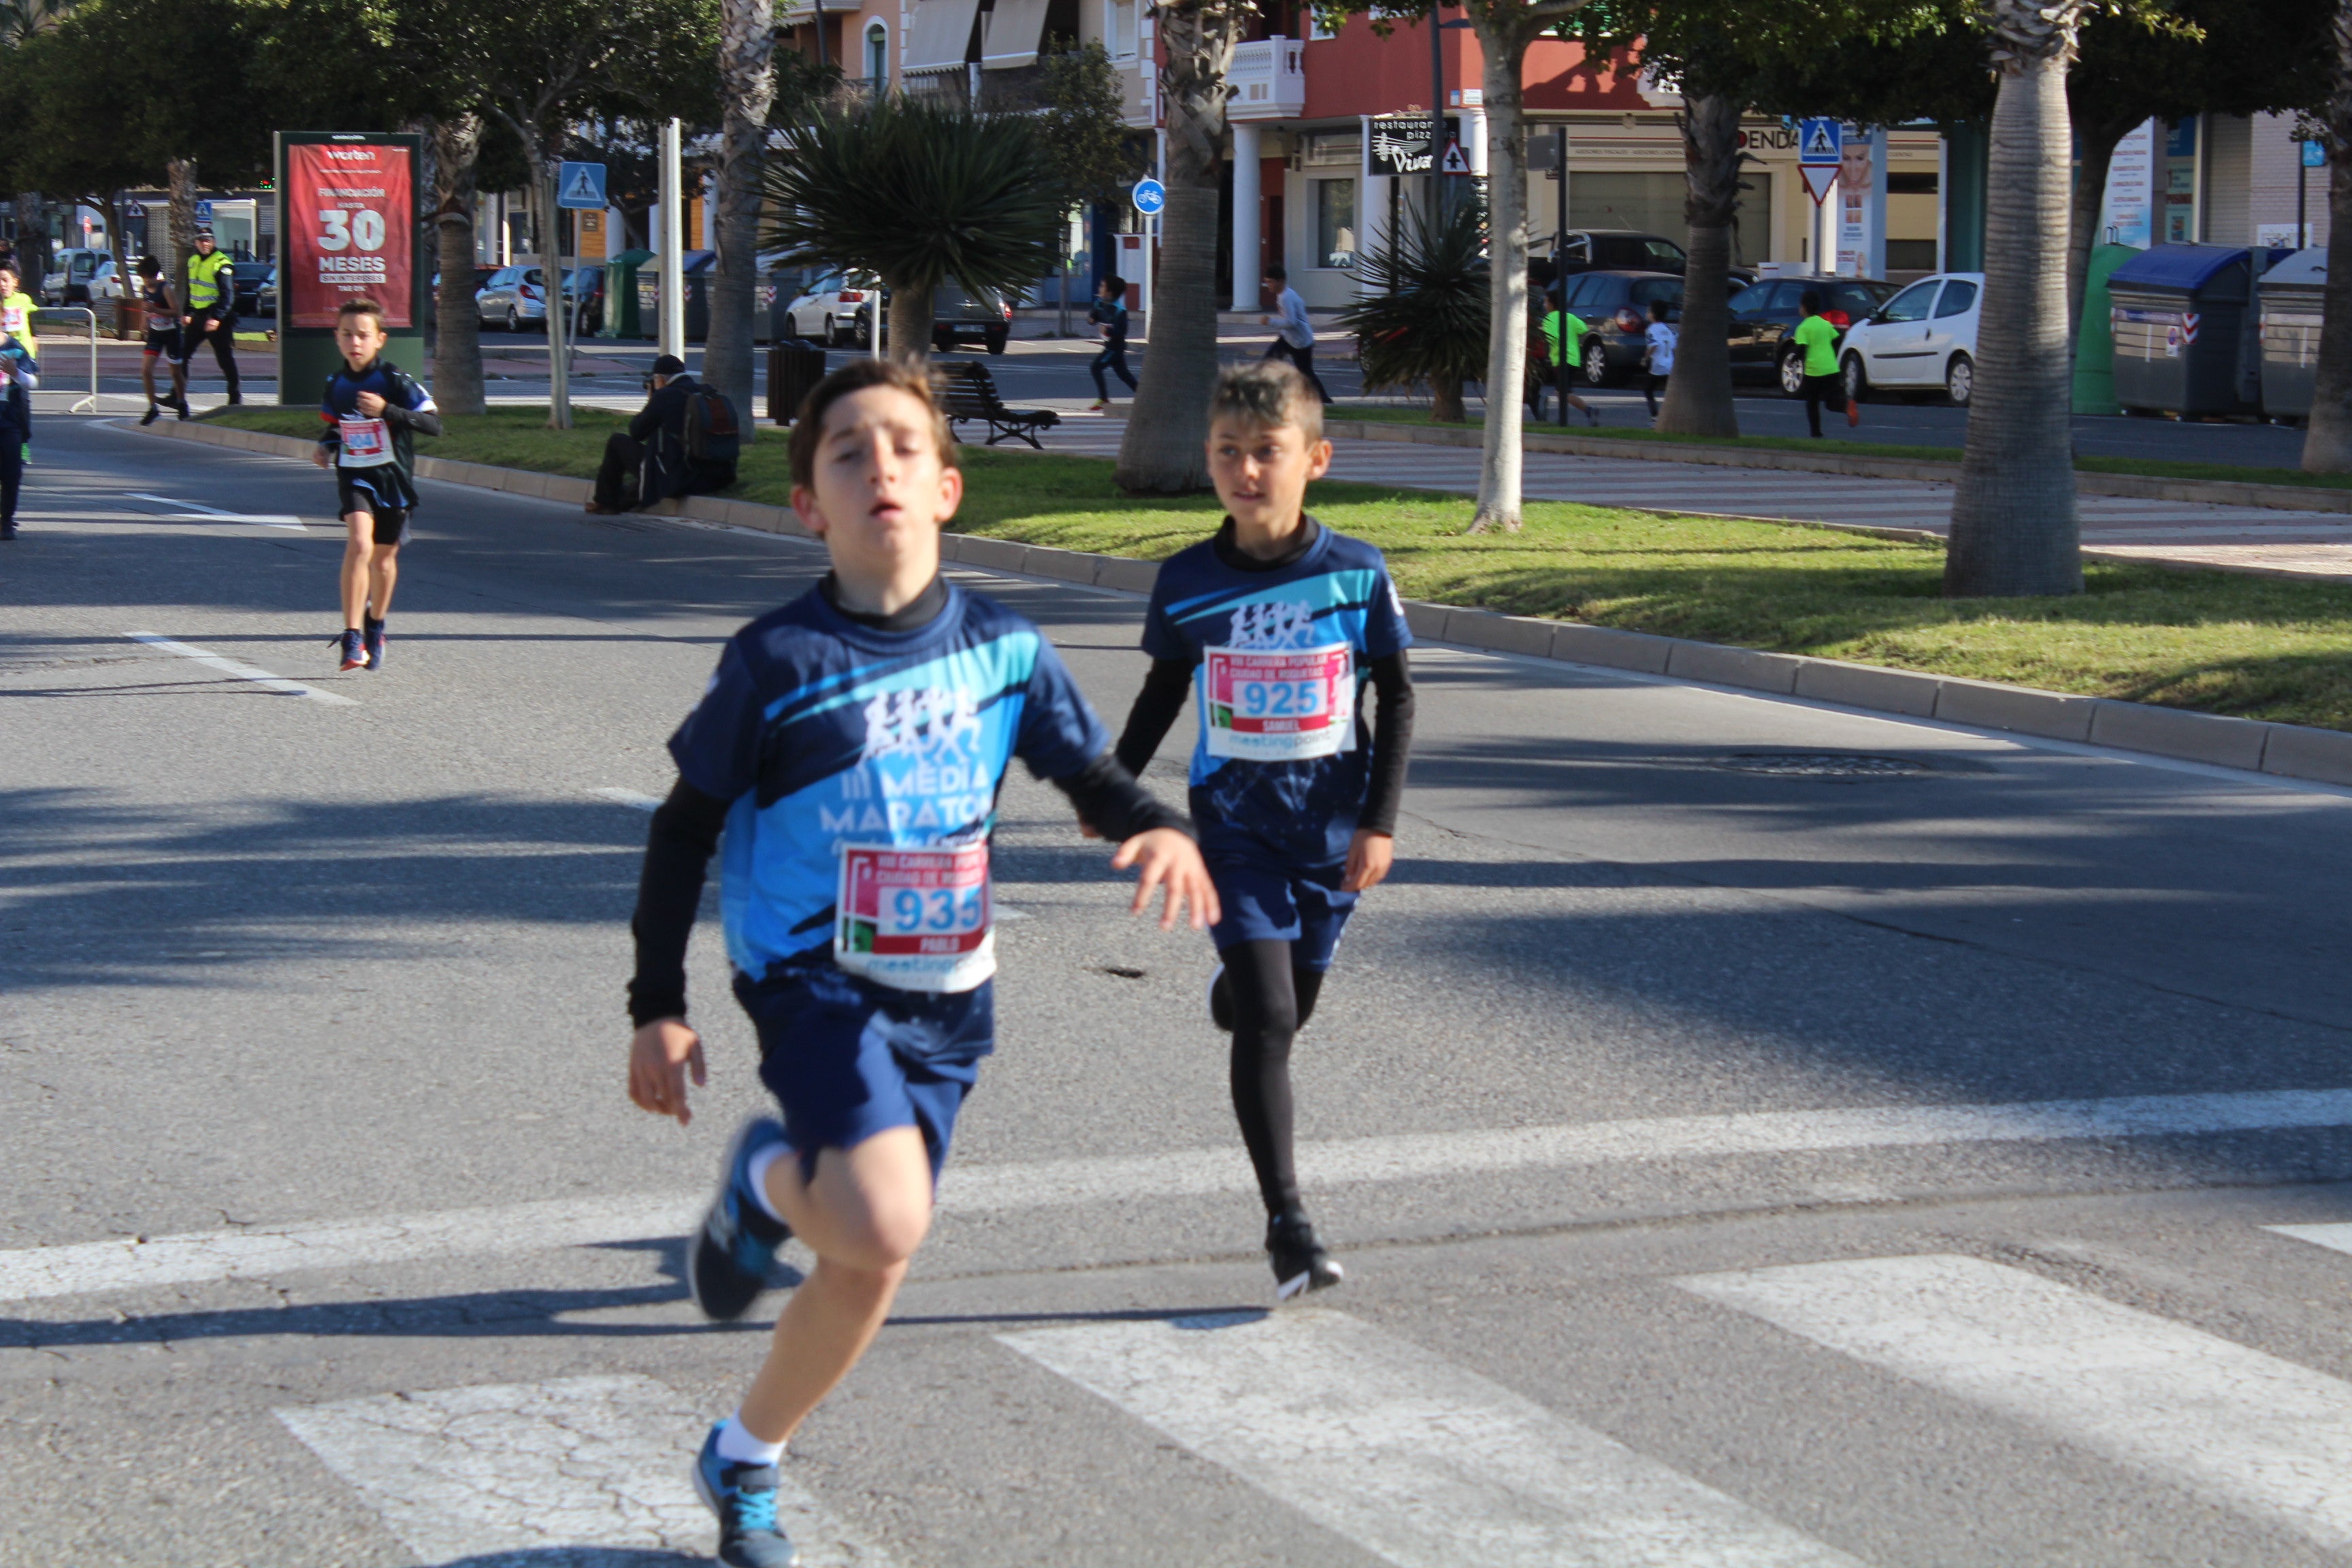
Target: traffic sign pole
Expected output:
[1150,199]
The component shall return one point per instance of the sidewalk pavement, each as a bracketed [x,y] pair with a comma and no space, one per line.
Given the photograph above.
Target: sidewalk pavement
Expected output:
[2302,544]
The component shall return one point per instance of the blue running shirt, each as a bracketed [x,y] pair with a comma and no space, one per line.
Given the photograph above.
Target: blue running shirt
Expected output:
[1299,813]
[824,732]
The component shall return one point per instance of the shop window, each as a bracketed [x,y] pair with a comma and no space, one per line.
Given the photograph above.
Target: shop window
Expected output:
[1335,222]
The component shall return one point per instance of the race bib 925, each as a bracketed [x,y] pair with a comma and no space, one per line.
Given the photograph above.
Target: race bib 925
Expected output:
[1281,705]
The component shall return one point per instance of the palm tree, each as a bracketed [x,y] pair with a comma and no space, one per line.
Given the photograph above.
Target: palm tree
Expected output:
[458,325]
[746,86]
[919,190]
[1166,445]
[1423,317]
[2014,528]
[1698,397]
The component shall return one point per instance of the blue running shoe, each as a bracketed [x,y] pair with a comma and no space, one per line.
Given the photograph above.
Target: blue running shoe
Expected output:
[371,640]
[737,1244]
[744,1498]
[354,652]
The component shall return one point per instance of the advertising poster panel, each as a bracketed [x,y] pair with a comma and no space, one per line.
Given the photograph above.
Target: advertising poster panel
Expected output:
[350,230]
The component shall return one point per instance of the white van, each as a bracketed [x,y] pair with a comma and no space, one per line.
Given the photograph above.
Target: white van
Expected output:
[1923,339]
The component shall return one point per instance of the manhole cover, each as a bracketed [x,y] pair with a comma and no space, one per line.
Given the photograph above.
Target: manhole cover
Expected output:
[1823,765]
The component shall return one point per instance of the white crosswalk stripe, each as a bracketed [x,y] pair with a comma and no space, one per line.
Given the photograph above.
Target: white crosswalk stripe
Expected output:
[1422,1463]
[2336,1238]
[563,1468]
[2252,1431]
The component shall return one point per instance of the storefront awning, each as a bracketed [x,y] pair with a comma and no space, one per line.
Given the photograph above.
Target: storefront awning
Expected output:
[1010,34]
[939,34]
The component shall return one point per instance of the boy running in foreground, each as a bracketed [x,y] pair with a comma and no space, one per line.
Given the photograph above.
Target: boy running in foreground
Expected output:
[1282,620]
[372,412]
[851,745]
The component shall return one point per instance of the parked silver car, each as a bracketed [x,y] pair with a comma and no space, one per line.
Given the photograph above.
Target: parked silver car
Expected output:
[515,295]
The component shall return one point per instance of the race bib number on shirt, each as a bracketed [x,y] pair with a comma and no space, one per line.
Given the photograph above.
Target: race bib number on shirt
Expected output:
[367,443]
[916,919]
[12,318]
[1281,705]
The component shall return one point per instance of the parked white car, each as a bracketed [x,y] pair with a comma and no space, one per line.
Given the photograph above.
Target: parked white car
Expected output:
[1923,339]
[836,309]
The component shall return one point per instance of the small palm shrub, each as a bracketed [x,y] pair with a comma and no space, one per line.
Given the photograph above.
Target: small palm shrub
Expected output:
[1422,323]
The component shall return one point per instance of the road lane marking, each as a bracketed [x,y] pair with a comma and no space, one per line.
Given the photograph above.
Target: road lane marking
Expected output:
[1420,1462]
[1220,1171]
[2259,1434]
[547,1469]
[2337,1236]
[196,513]
[242,671]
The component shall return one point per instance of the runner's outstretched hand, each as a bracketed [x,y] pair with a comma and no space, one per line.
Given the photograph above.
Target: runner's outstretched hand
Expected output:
[1370,855]
[661,1055]
[1170,861]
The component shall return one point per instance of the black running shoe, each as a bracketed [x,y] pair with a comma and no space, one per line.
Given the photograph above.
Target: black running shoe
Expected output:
[7,530]
[154,411]
[738,1242]
[371,640]
[1300,1264]
[182,404]
[744,1498]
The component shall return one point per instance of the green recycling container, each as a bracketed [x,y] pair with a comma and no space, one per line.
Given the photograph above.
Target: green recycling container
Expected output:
[2094,346]
[620,295]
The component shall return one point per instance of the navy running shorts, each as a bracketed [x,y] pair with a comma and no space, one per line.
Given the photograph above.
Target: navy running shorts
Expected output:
[166,343]
[354,494]
[846,1059]
[1300,905]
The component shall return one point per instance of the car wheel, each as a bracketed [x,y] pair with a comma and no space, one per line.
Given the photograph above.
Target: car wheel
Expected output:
[1792,373]
[514,322]
[996,342]
[1960,381]
[831,333]
[862,331]
[1856,379]
[1596,365]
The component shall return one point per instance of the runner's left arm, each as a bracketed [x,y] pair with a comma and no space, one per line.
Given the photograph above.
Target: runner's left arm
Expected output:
[422,415]
[1391,743]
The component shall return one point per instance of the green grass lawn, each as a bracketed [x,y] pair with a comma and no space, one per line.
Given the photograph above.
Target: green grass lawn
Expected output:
[2254,647]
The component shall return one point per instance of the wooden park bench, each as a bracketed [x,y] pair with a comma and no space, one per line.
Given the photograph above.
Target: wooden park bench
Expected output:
[968,392]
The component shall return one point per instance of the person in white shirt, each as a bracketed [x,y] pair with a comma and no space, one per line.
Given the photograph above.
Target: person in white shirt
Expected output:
[1294,336]
[1659,357]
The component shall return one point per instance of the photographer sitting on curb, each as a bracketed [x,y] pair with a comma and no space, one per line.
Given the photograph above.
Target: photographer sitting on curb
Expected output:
[655,459]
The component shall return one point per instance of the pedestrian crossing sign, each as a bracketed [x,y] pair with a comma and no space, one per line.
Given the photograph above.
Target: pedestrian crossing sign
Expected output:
[581,185]
[1453,162]
[1819,142]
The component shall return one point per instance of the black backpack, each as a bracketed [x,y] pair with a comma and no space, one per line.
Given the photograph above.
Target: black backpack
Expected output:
[713,435]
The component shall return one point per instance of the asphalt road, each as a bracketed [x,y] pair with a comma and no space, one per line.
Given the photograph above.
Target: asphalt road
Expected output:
[1756,1132]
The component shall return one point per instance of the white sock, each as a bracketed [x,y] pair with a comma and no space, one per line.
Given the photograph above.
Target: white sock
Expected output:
[738,1446]
[758,1172]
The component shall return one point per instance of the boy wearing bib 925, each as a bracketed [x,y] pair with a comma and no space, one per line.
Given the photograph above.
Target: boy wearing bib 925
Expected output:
[851,746]
[1275,626]
[373,412]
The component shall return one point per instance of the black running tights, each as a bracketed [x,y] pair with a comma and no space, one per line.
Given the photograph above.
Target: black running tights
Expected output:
[1272,999]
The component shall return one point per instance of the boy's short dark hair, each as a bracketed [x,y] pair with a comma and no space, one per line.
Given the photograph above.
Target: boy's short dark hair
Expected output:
[1279,273]
[1267,392]
[1811,300]
[361,306]
[1658,310]
[1114,283]
[148,266]
[808,424]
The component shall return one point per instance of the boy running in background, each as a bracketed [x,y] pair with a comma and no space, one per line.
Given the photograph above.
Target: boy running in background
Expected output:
[372,412]
[162,341]
[851,745]
[1818,337]
[1279,622]
[1564,336]
[1658,356]
[1109,313]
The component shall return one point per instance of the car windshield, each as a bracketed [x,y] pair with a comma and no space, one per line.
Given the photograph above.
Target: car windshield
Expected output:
[1662,290]
[1858,300]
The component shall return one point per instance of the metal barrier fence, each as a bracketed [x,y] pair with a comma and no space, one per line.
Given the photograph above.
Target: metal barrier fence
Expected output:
[87,405]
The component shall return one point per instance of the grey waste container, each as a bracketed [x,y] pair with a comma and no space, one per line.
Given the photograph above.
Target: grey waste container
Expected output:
[2184,329]
[696,267]
[2288,297]
[794,367]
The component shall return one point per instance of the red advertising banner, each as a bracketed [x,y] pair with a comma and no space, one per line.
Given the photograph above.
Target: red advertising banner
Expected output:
[351,210]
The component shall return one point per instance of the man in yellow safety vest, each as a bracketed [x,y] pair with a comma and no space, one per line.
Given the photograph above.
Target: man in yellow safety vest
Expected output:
[212,310]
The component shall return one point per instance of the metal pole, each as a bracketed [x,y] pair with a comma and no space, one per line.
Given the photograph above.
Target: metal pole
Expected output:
[2302,174]
[551,262]
[1559,232]
[671,329]
[1436,117]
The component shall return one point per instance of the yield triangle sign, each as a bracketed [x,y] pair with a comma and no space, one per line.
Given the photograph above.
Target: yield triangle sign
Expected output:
[1818,178]
[1453,162]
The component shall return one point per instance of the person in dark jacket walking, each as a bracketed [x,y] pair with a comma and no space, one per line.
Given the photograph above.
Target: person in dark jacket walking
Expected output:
[648,461]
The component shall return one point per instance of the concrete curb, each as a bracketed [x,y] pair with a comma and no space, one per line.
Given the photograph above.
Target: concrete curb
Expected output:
[2291,751]
[2201,492]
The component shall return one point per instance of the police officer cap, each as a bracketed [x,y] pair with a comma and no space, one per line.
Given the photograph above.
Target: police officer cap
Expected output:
[669,364]
[204,231]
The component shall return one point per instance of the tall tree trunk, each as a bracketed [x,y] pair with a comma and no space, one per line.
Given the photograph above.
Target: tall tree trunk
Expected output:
[2328,439]
[747,76]
[33,239]
[910,324]
[180,183]
[2097,141]
[2014,527]
[1500,462]
[457,351]
[545,172]
[1166,445]
[1698,396]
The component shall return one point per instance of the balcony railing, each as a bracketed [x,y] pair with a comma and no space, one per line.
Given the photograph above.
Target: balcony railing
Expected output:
[1268,79]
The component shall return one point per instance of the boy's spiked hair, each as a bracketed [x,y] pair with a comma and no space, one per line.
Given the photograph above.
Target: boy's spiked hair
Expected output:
[1267,392]
[808,424]
[361,306]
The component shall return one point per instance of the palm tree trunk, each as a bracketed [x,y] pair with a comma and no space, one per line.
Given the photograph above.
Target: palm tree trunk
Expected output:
[1698,396]
[2328,439]
[180,183]
[457,348]
[1501,461]
[1446,405]
[1166,445]
[2014,528]
[911,323]
[747,78]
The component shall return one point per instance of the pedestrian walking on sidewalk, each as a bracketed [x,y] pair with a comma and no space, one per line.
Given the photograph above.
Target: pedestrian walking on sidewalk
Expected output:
[1110,314]
[1818,339]
[211,312]
[1294,336]
[1658,357]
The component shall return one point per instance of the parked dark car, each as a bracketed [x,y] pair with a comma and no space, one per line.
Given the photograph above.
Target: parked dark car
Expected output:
[1628,249]
[265,298]
[961,316]
[1765,313]
[251,276]
[1615,306]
